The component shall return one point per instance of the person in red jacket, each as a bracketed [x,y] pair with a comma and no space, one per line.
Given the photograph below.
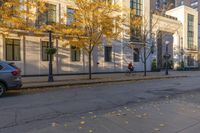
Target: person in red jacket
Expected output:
[130,67]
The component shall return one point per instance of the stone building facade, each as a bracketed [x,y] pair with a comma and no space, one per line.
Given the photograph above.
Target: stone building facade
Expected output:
[28,52]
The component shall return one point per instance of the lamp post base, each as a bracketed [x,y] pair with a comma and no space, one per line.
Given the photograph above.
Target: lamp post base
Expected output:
[50,78]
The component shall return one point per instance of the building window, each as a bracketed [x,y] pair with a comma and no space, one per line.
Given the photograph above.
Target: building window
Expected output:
[49,16]
[136,54]
[75,53]
[12,49]
[108,54]
[190,31]
[194,4]
[135,33]
[190,60]
[45,56]
[137,6]
[70,16]
[109,1]
[136,17]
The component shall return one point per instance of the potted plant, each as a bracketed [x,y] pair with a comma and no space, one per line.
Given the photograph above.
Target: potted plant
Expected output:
[51,51]
[154,66]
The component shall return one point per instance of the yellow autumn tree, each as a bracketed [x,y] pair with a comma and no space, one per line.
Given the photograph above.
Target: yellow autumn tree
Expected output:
[94,21]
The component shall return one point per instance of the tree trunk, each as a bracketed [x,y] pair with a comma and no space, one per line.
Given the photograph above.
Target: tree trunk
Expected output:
[90,64]
[145,61]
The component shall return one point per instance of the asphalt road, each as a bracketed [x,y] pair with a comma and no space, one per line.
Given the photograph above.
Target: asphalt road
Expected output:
[65,109]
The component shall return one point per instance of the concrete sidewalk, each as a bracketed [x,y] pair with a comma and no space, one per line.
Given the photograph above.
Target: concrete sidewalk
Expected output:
[72,80]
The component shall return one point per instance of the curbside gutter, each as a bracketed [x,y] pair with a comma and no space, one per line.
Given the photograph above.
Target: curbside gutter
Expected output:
[92,82]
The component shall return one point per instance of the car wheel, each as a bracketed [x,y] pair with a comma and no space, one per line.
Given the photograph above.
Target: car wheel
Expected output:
[2,89]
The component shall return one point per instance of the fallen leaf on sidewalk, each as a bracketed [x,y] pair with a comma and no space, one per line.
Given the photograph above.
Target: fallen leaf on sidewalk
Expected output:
[156,129]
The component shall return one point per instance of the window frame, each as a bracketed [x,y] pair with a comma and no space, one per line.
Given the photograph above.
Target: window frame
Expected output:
[108,56]
[137,5]
[190,60]
[190,31]
[13,46]
[70,16]
[136,53]
[76,52]
[45,17]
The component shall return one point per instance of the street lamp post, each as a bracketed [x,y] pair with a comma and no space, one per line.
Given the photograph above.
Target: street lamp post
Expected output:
[50,75]
[166,72]
[167,56]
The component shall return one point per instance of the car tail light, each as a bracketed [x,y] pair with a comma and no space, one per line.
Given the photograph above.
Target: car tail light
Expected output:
[16,72]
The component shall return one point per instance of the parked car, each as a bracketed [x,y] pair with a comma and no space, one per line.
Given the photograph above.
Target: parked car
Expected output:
[10,77]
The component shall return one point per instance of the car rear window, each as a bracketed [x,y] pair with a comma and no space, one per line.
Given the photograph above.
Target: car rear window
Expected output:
[1,67]
[13,65]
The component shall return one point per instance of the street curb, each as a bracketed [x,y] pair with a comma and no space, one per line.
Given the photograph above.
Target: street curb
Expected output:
[58,84]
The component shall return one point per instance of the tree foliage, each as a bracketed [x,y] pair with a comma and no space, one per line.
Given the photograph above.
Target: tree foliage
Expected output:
[19,14]
[94,20]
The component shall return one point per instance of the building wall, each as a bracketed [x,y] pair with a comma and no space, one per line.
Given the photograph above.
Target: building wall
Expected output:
[31,51]
[181,13]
